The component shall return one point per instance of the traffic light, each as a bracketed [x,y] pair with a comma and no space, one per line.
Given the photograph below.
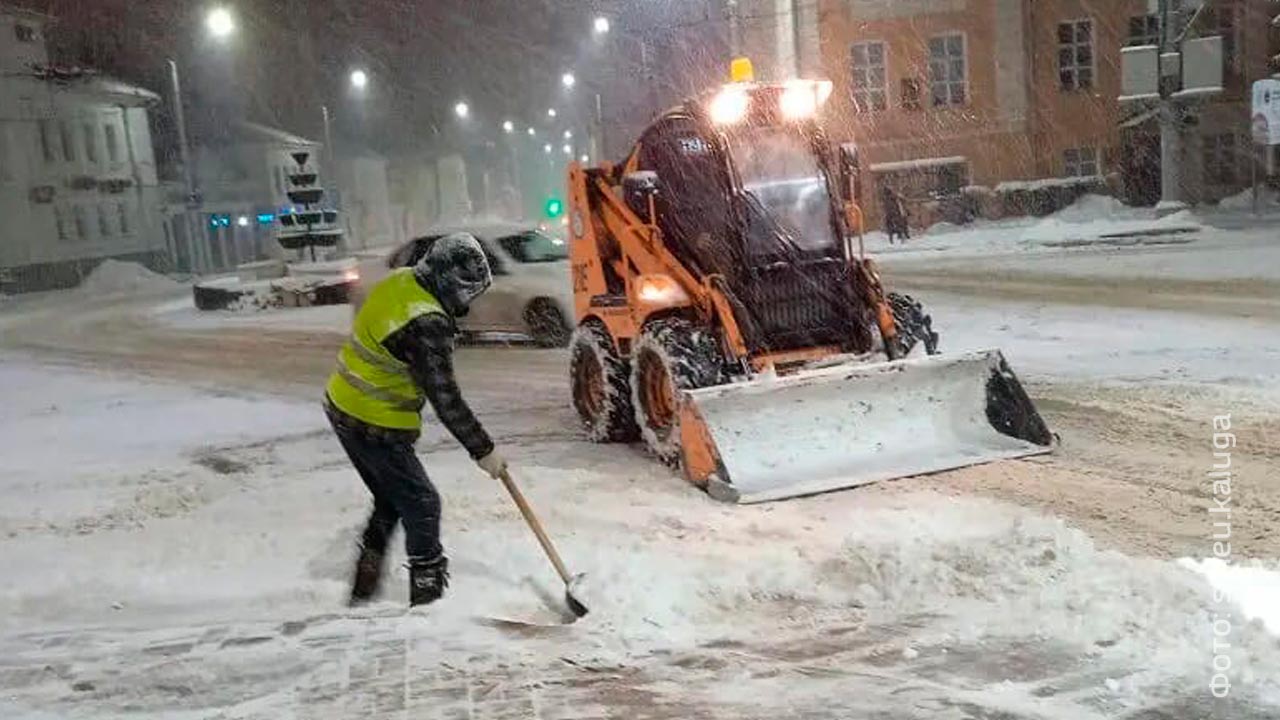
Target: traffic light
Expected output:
[554,207]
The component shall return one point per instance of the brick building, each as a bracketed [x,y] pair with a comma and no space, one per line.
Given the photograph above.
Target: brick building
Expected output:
[939,94]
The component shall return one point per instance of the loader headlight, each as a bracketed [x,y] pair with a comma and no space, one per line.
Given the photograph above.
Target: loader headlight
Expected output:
[729,106]
[660,290]
[802,98]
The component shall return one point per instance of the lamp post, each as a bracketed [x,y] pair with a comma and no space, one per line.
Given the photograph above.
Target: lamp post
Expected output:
[220,24]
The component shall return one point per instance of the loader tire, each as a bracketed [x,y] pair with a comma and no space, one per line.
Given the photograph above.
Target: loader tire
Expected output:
[546,324]
[600,383]
[914,326]
[670,355]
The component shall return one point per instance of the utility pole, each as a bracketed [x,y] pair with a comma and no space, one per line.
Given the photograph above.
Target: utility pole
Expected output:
[198,250]
[1169,116]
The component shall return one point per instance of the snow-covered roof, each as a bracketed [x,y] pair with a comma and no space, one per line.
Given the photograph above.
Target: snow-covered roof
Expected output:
[1199,92]
[918,163]
[1009,185]
[24,13]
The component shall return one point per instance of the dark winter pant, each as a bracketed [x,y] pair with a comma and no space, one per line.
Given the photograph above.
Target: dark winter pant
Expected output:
[401,491]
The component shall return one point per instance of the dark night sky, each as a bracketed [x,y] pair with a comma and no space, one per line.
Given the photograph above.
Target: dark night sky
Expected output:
[288,57]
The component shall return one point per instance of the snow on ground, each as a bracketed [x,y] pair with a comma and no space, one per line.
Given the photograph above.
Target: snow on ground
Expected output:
[1205,244]
[115,277]
[171,549]
[1052,341]
[182,314]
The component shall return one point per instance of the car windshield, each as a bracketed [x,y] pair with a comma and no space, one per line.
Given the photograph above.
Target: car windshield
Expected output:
[534,247]
[778,168]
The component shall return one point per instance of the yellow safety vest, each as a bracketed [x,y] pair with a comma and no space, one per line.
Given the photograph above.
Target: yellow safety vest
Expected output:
[371,384]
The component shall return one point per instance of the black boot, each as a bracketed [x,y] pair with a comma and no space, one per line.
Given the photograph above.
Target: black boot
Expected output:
[368,575]
[427,580]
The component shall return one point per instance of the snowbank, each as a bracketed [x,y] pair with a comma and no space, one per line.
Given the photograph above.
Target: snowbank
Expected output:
[1243,200]
[1254,588]
[115,277]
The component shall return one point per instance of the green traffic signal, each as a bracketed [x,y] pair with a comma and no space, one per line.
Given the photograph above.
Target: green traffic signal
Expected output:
[554,207]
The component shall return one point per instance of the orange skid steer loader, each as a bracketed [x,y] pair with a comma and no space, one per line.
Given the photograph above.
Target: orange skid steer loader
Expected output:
[724,316]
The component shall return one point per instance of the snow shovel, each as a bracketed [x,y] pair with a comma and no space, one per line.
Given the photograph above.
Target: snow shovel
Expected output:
[570,581]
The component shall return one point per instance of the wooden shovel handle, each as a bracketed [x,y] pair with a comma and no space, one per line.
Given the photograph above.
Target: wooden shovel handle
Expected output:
[535,526]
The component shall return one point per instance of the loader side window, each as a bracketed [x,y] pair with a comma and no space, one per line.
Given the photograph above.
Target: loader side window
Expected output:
[694,209]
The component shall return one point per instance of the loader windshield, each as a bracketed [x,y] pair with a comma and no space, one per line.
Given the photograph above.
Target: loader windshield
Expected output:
[777,167]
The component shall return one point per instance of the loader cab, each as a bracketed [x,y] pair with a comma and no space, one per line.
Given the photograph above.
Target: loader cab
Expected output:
[694,200]
[752,200]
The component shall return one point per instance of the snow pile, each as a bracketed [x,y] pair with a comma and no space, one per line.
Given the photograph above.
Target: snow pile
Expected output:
[1243,200]
[116,277]
[1254,588]
[1093,207]
[1096,216]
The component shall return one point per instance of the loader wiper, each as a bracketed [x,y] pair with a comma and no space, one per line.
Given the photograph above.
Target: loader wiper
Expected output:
[786,239]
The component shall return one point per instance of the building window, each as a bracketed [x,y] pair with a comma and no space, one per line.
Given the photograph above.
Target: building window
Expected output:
[7,173]
[1080,162]
[123,212]
[1220,19]
[60,219]
[46,140]
[910,93]
[1144,30]
[113,143]
[1075,55]
[24,33]
[90,144]
[1220,159]
[68,141]
[870,80]
[104,222]
[81,224]
[947,70]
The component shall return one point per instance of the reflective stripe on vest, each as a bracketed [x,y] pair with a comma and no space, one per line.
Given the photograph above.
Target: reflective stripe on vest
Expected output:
[370,384]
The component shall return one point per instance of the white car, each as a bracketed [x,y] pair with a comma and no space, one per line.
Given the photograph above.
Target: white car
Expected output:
[531,293]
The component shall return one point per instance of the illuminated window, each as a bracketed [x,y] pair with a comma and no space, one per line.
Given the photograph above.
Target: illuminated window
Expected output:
[869,78]
[1080,162]
[1075,55]
[947,71]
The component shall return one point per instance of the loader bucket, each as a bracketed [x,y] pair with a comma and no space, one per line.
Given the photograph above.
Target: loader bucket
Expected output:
[848,425]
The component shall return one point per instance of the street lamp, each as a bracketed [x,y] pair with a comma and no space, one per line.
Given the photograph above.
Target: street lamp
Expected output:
[220,23]
[568,80]
[508,127]
[462,110]
[601,25]
[359,79]
[551,112]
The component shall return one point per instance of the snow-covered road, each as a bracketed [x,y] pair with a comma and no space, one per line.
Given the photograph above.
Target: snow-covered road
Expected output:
[197,569]
[176,525]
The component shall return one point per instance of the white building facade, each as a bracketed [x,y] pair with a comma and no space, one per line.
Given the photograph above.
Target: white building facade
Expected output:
[78,177]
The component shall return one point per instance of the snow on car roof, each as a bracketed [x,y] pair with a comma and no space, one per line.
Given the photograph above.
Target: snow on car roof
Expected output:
[483,229]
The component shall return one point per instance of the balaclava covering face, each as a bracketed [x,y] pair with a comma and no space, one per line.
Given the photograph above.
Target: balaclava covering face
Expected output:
[456,269]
